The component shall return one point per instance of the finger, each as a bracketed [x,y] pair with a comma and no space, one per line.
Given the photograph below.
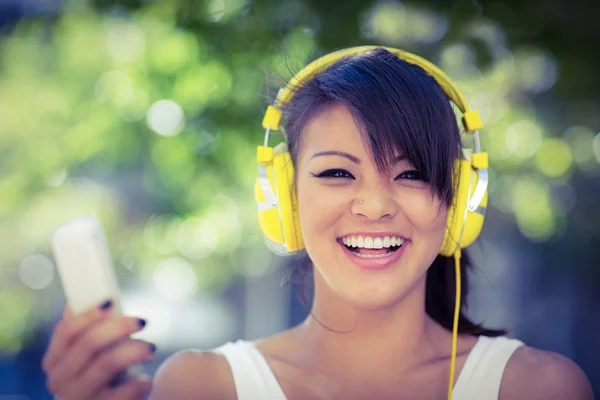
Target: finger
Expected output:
[136,389]
[66,331]
[67,313]
[101,336]
[108,364]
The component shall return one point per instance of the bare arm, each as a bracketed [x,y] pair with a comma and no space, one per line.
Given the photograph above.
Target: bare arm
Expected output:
[537,374]
[193,375]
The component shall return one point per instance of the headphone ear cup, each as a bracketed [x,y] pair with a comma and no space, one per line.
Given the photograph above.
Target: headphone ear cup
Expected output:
[460,227]
[281,223]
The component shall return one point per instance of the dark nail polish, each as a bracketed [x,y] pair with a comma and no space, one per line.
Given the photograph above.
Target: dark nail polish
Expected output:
[118,380]
[152,347]
[106,305]
[141,322]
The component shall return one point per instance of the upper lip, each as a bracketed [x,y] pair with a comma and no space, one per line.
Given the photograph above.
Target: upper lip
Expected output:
[374,234]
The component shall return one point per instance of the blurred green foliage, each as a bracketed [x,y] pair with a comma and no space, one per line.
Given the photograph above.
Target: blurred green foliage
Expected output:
[148,114]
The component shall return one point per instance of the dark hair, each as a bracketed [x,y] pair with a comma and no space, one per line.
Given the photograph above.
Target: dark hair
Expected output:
[395,104]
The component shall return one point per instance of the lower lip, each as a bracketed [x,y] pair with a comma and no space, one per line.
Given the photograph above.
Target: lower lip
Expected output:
[377,262]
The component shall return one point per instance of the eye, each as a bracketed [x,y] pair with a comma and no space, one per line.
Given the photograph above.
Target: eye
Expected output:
[412,175]
[334,173]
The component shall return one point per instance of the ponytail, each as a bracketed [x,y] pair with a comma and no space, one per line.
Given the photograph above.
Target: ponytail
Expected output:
[440,291]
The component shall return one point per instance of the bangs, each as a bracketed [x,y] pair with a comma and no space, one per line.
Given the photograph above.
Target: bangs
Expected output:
[397,107]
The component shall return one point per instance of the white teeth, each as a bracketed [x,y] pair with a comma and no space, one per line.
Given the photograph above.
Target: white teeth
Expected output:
[372,242]
[373,255]
[386,241]
[378,243]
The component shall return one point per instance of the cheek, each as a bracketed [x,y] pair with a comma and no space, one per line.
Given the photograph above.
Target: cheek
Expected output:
[319,208]
[427,216]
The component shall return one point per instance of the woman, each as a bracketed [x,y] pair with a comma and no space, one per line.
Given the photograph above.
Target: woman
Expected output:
[373,141]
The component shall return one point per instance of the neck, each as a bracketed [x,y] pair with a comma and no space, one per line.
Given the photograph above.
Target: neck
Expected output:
[338,334]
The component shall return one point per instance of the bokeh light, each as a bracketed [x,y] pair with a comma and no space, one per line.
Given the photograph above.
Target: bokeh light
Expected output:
[523,138]
[458,59]
[115,87]
[173,51]
[581,141]
[125,41]
[532,207]
[36,271]
[492,35]
[538,71]
[165,117]
[202,85]
[197,238]
[425,26]
[395,23]
[175,279]
[554,158]
[384,21]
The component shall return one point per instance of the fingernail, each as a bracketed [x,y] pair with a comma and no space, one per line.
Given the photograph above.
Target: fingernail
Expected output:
[141,322]
[152,347]
[106,305]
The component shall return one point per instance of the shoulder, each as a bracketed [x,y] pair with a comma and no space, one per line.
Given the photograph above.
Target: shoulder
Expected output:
[538,374]
[193,374]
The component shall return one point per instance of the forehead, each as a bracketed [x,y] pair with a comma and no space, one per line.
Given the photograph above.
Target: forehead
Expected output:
[335,129]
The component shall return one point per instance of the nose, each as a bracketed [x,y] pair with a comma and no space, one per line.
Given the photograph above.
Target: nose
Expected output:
[375,203]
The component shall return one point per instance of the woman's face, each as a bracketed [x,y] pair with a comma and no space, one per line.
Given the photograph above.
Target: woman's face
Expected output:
[343,198]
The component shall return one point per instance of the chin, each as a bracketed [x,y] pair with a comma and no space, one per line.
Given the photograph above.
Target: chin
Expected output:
[373,301]
[376,295]
[371,290]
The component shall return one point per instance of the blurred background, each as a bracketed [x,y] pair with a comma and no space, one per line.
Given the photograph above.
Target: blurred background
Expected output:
[147,114]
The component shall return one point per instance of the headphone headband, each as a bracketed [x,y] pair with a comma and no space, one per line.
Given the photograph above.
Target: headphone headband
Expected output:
[272,119]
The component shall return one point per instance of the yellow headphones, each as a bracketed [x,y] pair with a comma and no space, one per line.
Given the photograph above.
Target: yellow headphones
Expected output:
[276,196]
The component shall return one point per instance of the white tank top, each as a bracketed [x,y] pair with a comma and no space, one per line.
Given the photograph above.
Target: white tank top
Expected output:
[479,379]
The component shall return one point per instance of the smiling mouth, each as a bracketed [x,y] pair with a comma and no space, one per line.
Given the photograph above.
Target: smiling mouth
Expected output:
[370,247]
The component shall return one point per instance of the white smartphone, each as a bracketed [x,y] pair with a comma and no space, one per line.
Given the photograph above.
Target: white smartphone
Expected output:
[86,270]
[84,265]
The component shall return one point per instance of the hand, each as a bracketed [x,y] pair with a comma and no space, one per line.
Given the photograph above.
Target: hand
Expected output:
[87,351]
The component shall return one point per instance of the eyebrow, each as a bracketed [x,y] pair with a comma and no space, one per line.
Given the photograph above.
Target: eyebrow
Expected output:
[350,157]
